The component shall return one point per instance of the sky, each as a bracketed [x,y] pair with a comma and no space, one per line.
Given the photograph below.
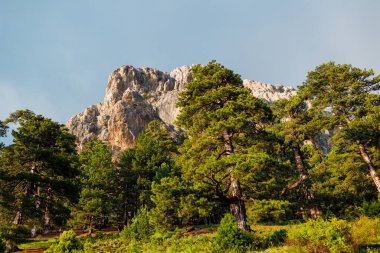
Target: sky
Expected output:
[55,56]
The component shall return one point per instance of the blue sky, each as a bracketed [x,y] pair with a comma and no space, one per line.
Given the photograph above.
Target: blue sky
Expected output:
[55,56]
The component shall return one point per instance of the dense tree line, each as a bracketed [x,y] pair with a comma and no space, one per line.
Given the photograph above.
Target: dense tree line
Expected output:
[239,155]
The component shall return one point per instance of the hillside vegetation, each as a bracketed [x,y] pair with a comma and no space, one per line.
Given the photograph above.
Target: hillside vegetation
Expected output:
[297,175]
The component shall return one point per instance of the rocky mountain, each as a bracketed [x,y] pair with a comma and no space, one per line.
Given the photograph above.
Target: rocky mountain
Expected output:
[136,96]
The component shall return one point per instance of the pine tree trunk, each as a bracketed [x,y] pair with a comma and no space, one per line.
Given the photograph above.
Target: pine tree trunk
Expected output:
[18,218]
[313,212]
[237,207]
[371,167]
[28,190]
[46,221]
[125,217]
[298,159]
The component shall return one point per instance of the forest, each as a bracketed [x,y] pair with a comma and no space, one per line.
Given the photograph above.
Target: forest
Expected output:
[298,175]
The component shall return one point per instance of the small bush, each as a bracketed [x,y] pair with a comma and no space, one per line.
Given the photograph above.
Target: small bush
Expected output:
[366,231]
[113,245]
[229,237]
[269,211]
[322,236]
[140,229]
[268,239]
[67,243]
[198,243]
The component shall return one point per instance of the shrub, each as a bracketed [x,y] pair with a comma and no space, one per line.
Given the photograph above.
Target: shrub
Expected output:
[140,229]
[112,245]
[269,211]
[67,243]
[267,239]
[322,236]
[194,243]
[366,231]
[229,237]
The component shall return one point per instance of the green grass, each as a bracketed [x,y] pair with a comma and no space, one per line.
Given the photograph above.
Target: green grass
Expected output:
[36,244]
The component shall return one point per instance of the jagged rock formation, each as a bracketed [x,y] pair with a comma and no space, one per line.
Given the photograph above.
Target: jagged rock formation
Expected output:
[268,92]
[136,96]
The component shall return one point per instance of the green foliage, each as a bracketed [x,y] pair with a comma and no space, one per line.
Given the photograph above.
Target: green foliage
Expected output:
[111,245]
[38,172]
[294,125]
[35,244]
[3,131]
[98,196]
[178,202]
[269,211]
[225,126]
[140,229]
[168,242]
[67,243]
[268,239]
[229,238]
[366,231]
[340,183]
[150,161]
[371,209]
[199,243]
[322,236]
[362,235]
[345,98]
[341,87]
[166,197]
[234,151]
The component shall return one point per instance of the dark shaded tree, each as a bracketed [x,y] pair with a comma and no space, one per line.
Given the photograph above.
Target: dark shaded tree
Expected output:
[38,171]
[99,187]
[150,161]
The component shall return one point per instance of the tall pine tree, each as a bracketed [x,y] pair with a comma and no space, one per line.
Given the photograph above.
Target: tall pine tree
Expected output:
[38,171]
[345,97]
[222,121]
[99,182]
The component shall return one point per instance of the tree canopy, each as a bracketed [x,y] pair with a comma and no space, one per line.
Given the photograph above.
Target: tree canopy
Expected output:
[225,126]
[345,99]
[38,172]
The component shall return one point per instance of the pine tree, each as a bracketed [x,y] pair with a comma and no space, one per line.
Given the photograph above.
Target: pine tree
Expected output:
[222,121]
[344,98]
[148,162]
[38,171]
[99,181]
[3,131]
[293,125]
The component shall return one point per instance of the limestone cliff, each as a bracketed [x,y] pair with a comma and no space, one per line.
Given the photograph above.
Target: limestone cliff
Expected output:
[136,96]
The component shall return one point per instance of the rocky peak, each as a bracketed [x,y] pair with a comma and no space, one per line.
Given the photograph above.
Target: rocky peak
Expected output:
[268,92]
[136,96]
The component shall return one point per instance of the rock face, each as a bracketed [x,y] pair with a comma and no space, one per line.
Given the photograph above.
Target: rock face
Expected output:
[136,96]
[268,92]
